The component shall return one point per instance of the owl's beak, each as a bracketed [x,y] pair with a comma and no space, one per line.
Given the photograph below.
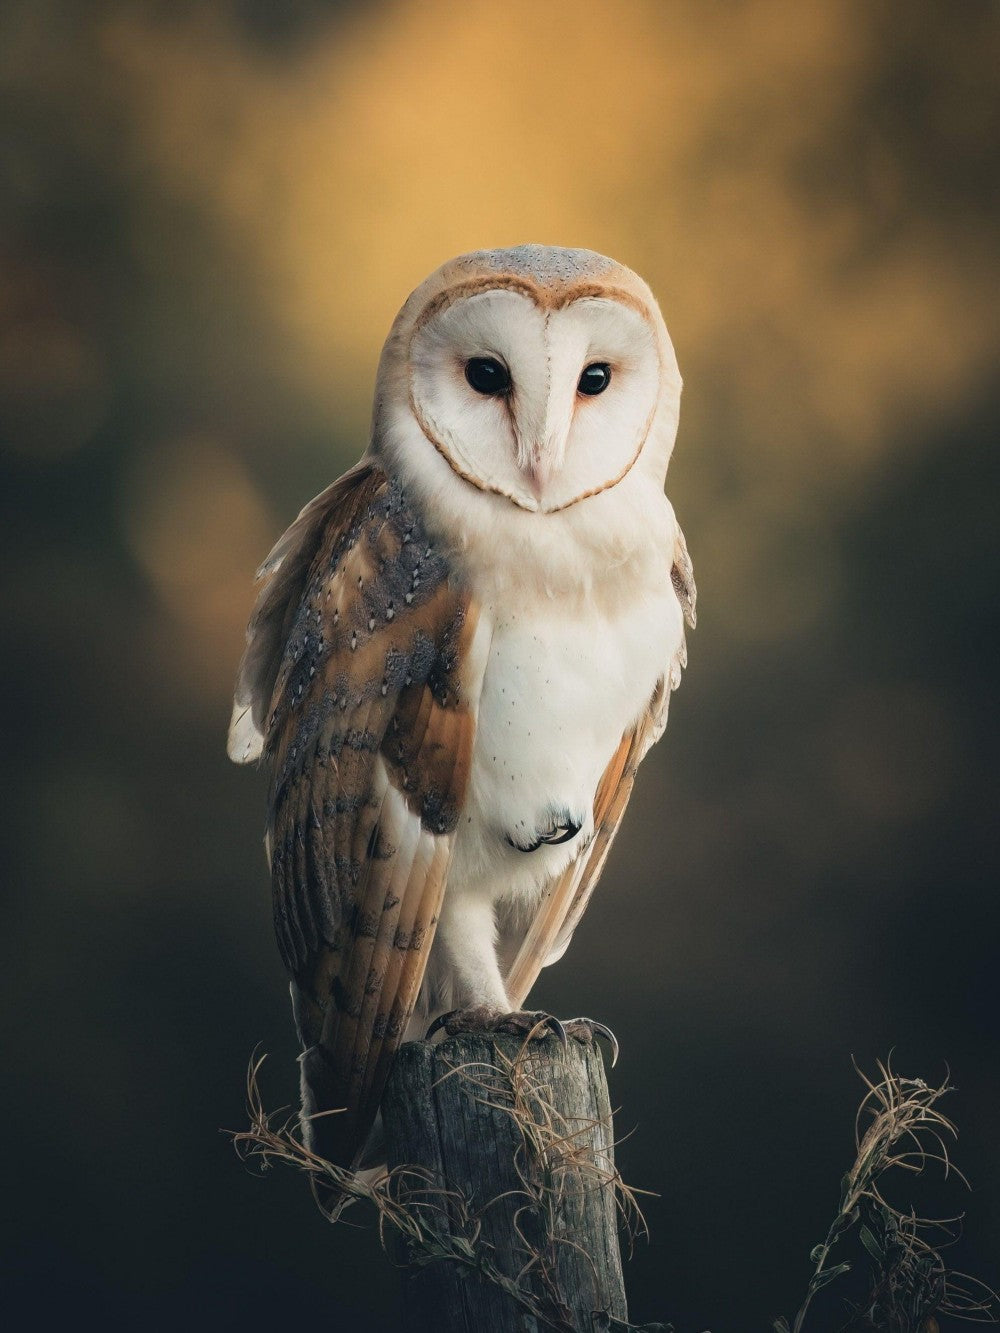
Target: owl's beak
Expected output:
[541,423]
[538,471]
[541,455]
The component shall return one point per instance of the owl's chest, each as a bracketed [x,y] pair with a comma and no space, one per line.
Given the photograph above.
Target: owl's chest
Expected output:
[559,692]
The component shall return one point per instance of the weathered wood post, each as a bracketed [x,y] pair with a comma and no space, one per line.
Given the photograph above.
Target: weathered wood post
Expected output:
[515,1141]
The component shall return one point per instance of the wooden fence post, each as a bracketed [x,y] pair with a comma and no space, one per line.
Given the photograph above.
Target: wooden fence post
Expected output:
[514,1143]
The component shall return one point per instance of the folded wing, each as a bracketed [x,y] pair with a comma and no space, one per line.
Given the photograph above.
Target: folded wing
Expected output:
[361,679]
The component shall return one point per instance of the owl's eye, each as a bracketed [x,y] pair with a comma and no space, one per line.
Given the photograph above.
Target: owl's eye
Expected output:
[487,376]
[595,379]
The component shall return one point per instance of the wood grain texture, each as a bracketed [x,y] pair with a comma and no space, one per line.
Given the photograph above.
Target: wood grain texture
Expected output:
[441,1121]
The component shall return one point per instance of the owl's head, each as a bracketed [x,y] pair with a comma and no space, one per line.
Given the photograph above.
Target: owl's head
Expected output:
[540,375]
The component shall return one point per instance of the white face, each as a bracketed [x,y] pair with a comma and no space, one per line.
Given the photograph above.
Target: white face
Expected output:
[543,406]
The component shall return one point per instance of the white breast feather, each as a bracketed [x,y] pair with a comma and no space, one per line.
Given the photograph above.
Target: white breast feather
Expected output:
[567,676]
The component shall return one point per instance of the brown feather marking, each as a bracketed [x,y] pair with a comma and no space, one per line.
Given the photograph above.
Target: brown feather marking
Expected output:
[438,739]
[405,887]
[424,927]
[411,974]
[384,1037]
[279,888]
[354,868]
[355,770]
[362,929]
[294,849]
[371,947]
[304,900]
[439,768]
[405,739]
[321,889]
[413,933]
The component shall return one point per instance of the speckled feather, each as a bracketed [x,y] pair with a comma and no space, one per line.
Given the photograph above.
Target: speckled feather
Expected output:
[369,734]
[544,264]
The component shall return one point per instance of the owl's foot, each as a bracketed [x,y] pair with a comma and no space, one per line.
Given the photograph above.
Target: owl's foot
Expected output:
[587,1030]
[520,1023]
[530,1024]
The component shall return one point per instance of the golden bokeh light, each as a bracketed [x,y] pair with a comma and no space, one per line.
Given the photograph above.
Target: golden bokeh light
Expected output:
[197,527]
[674,137]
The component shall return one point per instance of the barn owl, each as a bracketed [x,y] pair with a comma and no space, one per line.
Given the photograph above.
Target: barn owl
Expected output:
[460,652]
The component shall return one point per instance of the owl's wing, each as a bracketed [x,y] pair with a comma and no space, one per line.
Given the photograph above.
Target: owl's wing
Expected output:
[566,898]
[369,726]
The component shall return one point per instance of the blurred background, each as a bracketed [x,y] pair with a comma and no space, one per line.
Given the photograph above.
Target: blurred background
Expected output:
[210,214]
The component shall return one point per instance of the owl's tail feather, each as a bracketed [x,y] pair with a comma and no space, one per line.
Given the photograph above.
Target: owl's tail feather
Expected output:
[332,1132]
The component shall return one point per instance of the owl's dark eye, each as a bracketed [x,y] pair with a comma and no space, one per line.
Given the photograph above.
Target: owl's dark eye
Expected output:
[595,379]
[487,376]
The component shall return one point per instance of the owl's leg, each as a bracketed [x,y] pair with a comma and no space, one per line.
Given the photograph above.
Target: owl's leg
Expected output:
[466,938]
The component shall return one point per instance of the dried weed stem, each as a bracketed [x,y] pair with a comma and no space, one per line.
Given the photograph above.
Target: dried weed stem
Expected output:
[553,1158]
[911,1285]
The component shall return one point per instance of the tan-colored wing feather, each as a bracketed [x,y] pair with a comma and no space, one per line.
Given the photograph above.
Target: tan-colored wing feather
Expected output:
[682,577]
[369,728]
[567,897]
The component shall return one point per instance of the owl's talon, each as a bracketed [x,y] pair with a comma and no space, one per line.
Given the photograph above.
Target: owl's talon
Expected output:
[555,1026]
[602,1030]
[588,1030]
[440,1023]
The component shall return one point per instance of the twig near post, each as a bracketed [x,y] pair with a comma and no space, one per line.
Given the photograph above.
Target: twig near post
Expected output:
[502,1200]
